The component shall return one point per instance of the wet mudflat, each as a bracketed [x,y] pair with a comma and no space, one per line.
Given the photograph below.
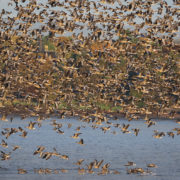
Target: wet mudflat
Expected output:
[112,146]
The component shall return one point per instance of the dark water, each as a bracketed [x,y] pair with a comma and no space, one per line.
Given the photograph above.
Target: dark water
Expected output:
[115,149]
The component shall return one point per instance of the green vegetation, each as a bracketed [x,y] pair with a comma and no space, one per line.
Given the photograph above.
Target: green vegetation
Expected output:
[47,42]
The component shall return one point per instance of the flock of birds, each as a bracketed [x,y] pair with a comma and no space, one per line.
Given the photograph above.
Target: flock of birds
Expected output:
[100,71]
[138,73]
[98,167]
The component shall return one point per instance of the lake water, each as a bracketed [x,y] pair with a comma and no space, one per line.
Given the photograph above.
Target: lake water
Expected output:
[113,147]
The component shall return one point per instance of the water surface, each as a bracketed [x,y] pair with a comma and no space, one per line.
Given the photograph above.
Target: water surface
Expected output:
[113,147]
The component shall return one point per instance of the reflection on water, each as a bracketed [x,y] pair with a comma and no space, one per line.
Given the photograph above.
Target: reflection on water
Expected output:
[113,147]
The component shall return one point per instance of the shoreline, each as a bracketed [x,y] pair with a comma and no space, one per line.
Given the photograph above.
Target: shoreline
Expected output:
[79,114]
